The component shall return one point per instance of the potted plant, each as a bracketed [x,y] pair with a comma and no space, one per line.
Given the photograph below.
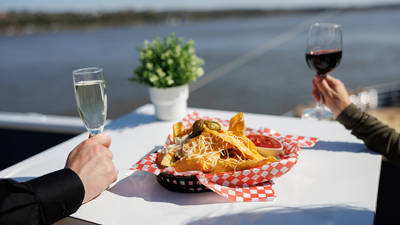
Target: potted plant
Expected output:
[167,66]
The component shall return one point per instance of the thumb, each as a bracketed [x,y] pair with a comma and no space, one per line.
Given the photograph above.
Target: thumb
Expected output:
[332,81]
[103,139]
[324,87]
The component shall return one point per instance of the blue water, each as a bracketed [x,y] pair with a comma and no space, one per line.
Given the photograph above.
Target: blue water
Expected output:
[35,70]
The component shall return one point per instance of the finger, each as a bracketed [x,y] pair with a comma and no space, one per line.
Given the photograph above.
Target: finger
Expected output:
[329,77]
[315,93]
[322,99]
[321,76]
[316,77]
[109,154]
[115,175]
[332,81]
[324,87]
[103,139]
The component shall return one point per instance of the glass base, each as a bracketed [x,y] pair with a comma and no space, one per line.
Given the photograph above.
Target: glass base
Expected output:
[318,113]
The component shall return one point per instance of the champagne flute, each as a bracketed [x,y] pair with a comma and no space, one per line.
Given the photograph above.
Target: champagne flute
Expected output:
[323,55]
[91,98]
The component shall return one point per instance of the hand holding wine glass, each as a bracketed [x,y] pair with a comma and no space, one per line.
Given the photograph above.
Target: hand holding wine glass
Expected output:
[91,98]
[332,92]
[323,55]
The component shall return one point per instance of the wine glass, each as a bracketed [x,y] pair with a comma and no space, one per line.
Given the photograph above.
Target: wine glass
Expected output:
[323,55]
[91,98]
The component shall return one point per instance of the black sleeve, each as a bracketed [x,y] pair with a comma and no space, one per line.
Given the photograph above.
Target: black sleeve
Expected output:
[43,200]
[376,135]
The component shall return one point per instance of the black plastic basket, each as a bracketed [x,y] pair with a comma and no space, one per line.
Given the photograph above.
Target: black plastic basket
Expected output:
[186,184]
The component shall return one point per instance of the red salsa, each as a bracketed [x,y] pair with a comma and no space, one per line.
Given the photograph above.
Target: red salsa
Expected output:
[264,141]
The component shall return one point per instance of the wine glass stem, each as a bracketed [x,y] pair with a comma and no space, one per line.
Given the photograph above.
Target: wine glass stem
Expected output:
[319,106]
[320,102]
[95,132]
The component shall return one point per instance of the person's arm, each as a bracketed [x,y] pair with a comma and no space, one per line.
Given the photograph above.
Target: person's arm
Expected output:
[376,135]
[43,200]
[89,170]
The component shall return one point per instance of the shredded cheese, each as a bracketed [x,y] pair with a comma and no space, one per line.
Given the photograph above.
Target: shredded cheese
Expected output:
[214,151]
[213,147]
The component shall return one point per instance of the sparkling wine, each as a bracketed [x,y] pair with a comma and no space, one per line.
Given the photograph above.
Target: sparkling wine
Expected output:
[92,103]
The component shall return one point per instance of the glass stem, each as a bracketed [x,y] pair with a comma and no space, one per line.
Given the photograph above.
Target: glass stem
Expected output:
[319,105]
[95,132]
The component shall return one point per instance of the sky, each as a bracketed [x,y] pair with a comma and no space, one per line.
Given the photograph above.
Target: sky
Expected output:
[111,5]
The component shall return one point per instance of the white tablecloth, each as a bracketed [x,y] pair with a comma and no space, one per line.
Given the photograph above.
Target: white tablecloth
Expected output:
[336,182]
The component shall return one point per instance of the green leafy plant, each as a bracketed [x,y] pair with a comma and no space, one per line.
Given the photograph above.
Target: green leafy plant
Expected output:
[167,62]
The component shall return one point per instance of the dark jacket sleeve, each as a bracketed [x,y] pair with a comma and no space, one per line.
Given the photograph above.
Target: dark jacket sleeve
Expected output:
[43,200]
[376,135]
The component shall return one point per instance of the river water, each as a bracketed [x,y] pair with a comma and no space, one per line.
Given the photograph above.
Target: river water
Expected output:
[252,64]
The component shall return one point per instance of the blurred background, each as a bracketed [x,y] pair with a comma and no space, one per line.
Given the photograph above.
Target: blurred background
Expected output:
[254,50]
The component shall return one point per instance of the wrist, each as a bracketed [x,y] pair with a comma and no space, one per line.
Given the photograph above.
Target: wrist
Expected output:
[350,116]
[339,109]
[82,179]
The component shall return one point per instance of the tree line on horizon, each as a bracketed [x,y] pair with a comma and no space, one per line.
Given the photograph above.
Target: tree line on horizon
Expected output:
[15,22]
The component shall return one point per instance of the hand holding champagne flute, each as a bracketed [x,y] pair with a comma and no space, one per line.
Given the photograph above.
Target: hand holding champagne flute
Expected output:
[323,55]
[91,98]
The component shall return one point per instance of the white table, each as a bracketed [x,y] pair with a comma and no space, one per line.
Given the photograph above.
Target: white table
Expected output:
[334,183]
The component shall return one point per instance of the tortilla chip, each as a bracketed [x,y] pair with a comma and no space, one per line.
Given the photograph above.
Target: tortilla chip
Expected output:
[236,124]
[164,159]
[177,130]
[224,165]
[206,163]
[242,143]
[185,164]
[247,164]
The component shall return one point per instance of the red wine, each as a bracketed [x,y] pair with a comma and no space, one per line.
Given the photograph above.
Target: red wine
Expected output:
[323,61]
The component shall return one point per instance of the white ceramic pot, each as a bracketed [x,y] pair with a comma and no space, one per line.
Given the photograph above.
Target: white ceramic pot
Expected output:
[170,103]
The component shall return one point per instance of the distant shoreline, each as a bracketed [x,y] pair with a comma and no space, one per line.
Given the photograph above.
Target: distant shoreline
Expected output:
[24,22]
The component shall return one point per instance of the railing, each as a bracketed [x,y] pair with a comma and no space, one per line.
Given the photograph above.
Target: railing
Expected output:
[40,122]
[376,96]
[388,94]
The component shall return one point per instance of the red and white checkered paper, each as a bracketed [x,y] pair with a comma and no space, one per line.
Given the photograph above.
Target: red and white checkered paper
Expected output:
[240,186]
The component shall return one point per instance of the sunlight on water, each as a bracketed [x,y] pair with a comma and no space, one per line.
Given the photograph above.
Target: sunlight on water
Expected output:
[274,82]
